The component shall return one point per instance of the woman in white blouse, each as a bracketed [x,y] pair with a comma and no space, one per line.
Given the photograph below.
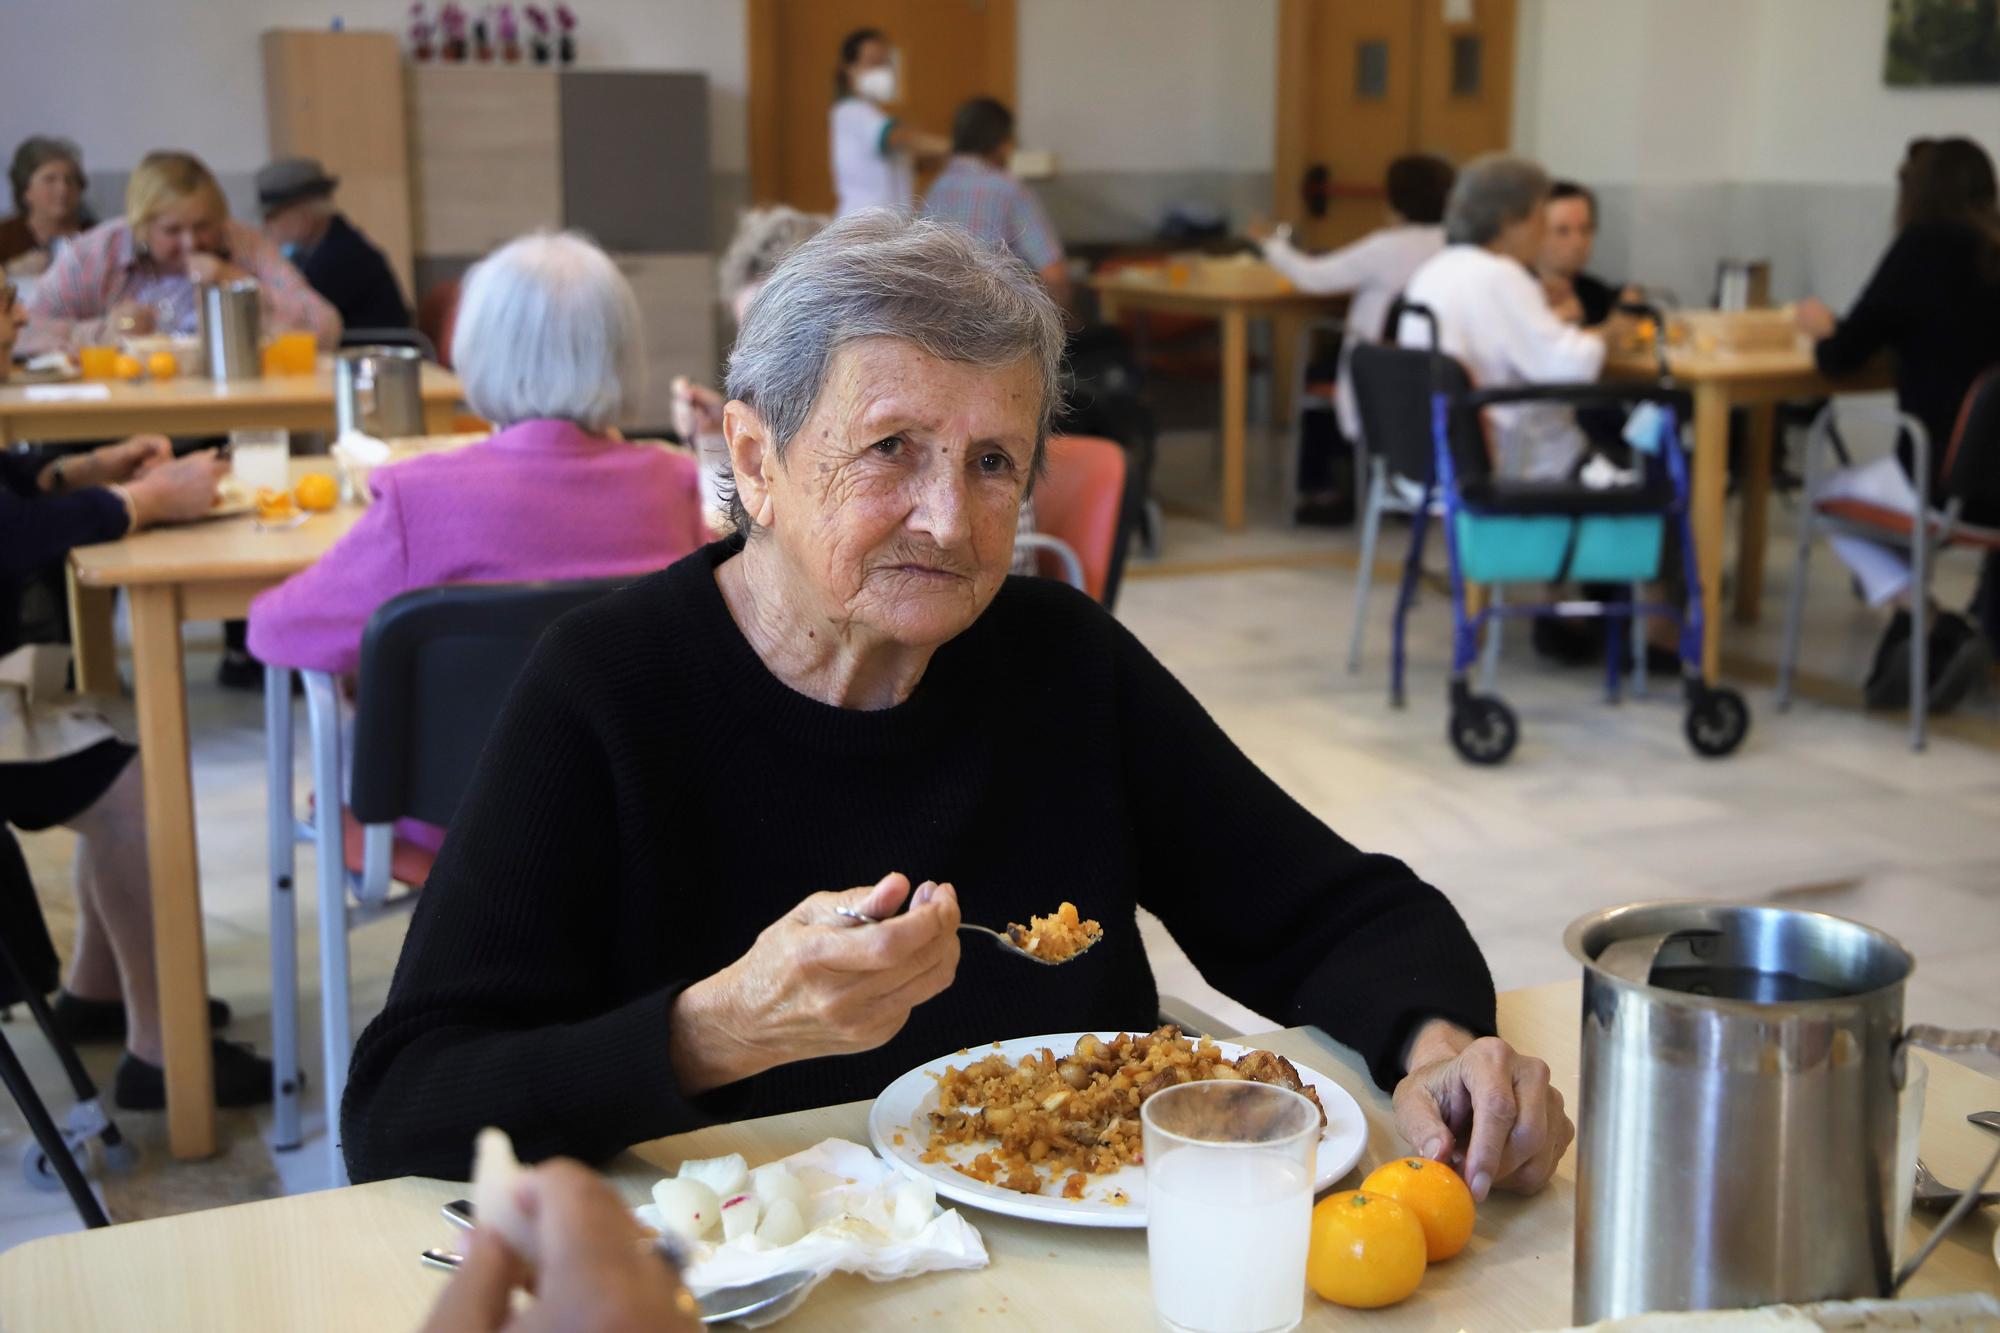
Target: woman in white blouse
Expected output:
[873,152]
[1494,317]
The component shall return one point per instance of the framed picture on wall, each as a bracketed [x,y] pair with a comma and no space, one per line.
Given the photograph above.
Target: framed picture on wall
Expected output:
[1942,42]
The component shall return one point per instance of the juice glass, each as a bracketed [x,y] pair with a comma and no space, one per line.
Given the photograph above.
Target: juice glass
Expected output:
[291,354]
[1229,1177]
[97,363]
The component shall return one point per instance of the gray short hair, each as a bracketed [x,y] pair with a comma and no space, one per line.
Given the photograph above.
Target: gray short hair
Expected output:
[878,274]
[1491,192]
[548,327]
[763,237]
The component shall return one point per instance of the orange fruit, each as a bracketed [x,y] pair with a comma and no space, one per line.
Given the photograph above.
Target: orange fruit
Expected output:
[1367,1250]
[127,367]
[317,492]
[1435,1193]
[162,366]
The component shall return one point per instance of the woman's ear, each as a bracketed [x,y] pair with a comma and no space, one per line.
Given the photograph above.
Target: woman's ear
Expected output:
[753,457]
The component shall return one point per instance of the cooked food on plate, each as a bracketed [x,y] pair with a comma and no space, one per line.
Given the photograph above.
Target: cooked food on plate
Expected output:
[1056,938]
[1051,1117]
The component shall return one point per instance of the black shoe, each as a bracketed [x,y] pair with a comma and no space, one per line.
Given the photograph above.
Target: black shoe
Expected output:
[1958,658]
[242,1078]
[1568,643]
[1888,684]
[78,1020]
[239,671]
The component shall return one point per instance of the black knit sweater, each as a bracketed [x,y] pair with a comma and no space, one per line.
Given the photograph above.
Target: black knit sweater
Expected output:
[652,797]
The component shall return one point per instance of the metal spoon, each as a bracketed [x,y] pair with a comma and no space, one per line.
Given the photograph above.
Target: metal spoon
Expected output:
[1985,1119]
[1000,937]
[778,1295]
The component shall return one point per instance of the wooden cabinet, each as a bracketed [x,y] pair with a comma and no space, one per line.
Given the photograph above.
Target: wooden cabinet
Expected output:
[485,159]
[338,97]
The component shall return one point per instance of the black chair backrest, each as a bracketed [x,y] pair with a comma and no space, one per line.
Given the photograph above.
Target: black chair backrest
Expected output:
[436,666]
[1392,389]
[391,338]
[1971,468]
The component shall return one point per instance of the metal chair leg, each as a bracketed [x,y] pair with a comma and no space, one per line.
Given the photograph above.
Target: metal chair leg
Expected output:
[323,709]
[1920,629]
[1639,645]
[1489,655]
[1371,530]
[1795,609]
[282,850]
[1413,562]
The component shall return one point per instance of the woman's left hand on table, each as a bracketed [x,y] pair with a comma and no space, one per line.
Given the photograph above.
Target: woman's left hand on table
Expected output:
[113,463]
[1484,1107]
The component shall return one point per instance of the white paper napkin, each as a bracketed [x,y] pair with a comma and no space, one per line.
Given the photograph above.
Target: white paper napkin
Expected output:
[841,1179]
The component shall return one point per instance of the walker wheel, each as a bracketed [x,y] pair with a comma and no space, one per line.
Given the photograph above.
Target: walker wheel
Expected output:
[36,1170]
[1717,721]
[1483,729]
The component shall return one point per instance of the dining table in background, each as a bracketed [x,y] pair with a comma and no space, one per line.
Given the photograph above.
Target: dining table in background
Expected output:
[347,1258]
[1233,294]
[1720,381]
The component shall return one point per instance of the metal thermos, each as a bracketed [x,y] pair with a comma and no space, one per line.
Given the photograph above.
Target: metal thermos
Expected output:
[1741,1075]
[1743,284]
[376,392]
[227,315]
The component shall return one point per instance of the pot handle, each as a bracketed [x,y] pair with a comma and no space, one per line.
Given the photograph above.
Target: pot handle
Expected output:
[1945,1041]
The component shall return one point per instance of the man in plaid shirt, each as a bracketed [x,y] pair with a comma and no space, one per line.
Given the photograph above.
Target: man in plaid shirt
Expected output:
[975,192]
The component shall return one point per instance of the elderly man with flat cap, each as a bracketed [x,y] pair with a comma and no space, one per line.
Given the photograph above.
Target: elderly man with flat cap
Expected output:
[340,262]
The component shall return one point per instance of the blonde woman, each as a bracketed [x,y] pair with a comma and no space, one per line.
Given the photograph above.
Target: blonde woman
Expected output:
[137,274]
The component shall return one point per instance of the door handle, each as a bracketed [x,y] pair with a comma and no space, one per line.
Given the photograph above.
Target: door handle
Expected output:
[1316,189]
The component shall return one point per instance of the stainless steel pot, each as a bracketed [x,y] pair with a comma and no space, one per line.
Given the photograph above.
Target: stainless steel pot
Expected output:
[1740,1081]
[227,316]
[376,391]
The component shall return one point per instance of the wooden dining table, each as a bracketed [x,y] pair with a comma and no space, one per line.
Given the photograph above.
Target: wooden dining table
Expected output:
[347,1258]
[1233,295]
[1720,381]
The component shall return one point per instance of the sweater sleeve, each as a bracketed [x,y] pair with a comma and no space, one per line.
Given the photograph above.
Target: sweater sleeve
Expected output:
[1542,347]
[315,618]
[1272,906]
[36,531]
[1877,316]
[1343,270]
[502,1011]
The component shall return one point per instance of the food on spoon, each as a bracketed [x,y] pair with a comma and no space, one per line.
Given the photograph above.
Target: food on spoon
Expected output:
[495,1173]
[687,1207]
[783,1224]
[725,1175]
[1055,938]
[739,1216]
[1367,1251]
[1436,1194]
[772,1182]
[1046,1118]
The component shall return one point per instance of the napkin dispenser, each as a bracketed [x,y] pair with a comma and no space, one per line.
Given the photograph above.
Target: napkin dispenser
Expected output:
[1737,1124]
[377,391]
[227,316]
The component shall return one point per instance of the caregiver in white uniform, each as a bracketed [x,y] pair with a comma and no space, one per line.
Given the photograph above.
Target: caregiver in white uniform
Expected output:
[873,153]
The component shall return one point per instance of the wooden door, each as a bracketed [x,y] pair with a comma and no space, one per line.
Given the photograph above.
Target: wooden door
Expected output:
[1362,82]
[950,50]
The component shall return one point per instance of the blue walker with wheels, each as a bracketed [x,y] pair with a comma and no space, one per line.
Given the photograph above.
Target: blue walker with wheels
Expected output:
[1505,530]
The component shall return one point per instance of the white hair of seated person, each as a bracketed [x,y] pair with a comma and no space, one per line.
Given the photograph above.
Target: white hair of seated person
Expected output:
[548,328]
[763,237]
[1492,192]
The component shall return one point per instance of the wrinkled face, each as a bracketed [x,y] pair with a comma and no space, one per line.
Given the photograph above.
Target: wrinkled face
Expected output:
[894,506]
[1568,236]
[55,191]
[184,227]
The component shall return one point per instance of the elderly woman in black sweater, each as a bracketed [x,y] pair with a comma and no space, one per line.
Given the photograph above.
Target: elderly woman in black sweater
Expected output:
[620,938]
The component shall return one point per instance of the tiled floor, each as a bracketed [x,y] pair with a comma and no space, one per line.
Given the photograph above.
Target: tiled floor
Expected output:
[1824,806]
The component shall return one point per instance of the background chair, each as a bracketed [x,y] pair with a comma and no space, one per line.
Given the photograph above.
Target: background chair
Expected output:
[1080,512]
[436,667]
[1968,482]
[391,338]
[1314,389]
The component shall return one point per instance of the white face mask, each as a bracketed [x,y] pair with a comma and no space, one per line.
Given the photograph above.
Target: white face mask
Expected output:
[877,84]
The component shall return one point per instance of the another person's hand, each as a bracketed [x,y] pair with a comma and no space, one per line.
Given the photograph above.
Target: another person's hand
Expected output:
[1562,298]
[595,1274]
[1620,329]
[1483,1107]
[1260,229]
[129,317]
[212,268]
[177,492]
[129,458]
[697,410]
[816,983]
[1815,318]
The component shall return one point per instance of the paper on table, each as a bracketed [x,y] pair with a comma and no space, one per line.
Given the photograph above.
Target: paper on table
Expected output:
[65,393]
[839,1177]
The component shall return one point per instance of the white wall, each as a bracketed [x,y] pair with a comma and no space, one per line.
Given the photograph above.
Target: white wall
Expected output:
[1149,85]
[122,77]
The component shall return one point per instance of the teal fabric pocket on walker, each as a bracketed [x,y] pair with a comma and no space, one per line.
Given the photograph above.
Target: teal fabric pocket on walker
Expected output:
[1509,548]
[1617,548]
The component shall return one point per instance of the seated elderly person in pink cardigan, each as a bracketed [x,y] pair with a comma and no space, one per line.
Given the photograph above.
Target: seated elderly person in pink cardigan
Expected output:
[549,348]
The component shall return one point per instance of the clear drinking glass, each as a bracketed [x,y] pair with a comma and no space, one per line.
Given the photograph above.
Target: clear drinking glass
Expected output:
[1229,1174]
[262,458]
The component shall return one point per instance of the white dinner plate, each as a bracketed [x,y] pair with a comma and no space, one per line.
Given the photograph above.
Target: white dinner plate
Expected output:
[899,1127]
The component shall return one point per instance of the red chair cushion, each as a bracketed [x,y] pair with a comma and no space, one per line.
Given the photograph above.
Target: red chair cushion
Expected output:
[1079,499]
[1901,523]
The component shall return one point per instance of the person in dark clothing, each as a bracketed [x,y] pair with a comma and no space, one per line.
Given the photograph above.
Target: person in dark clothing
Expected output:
[1570,233]
[1934,303]
[340,262]
[619,939]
